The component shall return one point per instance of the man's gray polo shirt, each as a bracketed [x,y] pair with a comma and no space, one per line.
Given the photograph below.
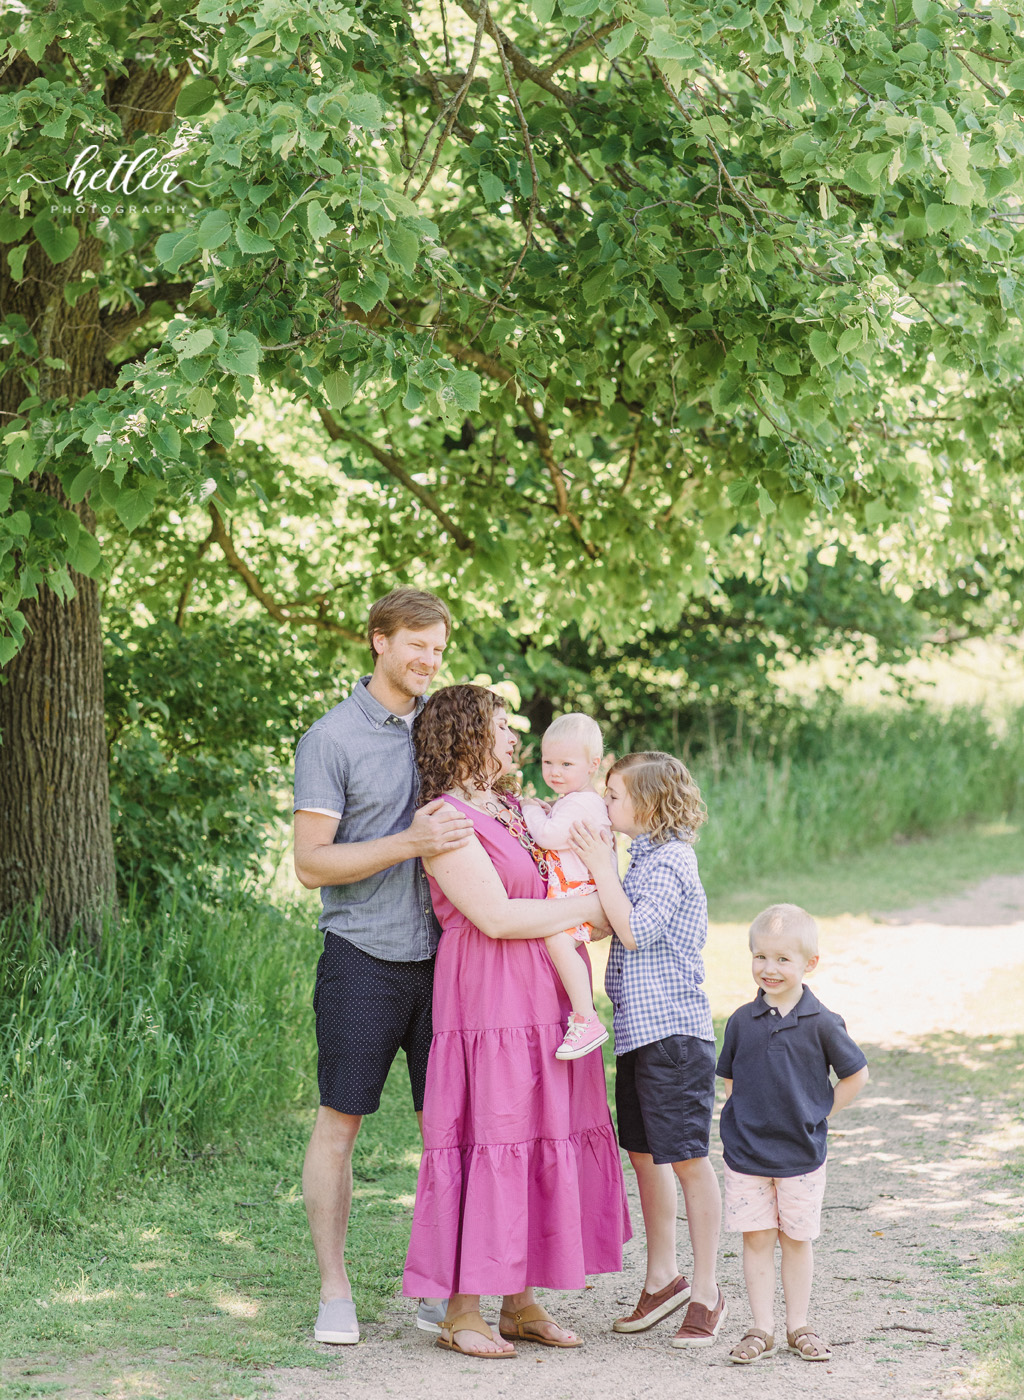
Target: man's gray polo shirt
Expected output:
[358,760]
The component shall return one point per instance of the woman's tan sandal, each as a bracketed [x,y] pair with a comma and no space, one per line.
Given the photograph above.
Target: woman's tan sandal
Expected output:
[808,1345]
[525,1318]
[754,1345]
[469,1322]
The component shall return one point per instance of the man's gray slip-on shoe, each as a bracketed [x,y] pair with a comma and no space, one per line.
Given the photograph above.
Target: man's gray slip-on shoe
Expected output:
[431,1313]
[336,1322]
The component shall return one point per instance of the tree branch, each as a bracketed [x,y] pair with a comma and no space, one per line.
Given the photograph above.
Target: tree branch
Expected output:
[391,463]
[545,447]
[584,44]
[116,325]
[521,65]
[190,577]
[280,612]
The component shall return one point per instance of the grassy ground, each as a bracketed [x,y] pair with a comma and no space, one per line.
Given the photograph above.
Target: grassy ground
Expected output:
[188,1285]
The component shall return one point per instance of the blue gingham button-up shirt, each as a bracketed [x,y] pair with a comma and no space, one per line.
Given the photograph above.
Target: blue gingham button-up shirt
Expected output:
[656,991]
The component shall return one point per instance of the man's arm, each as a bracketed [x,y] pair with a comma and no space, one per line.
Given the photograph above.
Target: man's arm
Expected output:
[436,828]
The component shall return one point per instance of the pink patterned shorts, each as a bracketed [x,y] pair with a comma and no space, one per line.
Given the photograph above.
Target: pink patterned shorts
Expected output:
[791,1204]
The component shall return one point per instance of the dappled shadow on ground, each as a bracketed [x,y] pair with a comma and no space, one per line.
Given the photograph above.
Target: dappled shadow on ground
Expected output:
[919,1193]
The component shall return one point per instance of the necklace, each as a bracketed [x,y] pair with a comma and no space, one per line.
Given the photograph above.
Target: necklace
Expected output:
[496,806]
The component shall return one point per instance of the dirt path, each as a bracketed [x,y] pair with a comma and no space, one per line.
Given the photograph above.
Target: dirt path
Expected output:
[914,1196]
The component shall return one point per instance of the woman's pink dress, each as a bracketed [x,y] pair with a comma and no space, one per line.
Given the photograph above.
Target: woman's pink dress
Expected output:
[520,1183]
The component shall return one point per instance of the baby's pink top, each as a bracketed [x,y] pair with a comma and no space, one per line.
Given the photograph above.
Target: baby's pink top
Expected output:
[552,832]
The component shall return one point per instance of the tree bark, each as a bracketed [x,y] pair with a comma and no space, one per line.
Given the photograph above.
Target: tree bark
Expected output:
[55,838]
[56,842]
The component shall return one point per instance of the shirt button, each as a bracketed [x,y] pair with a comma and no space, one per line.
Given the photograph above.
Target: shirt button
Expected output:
[773,1011]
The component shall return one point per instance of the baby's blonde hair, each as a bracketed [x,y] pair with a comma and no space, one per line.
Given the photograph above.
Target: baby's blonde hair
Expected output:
[789,920]
[578,728]
[666,801]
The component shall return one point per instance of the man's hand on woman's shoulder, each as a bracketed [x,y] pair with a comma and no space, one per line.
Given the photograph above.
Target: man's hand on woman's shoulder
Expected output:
[437,827]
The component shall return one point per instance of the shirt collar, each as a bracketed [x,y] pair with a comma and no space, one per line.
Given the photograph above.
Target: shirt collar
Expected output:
[640,846]
[371,707]
[808,1005]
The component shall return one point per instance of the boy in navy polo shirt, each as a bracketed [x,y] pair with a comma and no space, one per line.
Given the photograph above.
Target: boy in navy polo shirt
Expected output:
[775,1062]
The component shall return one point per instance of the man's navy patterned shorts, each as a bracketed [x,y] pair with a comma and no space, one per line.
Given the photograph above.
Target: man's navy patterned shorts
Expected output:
[367,1010]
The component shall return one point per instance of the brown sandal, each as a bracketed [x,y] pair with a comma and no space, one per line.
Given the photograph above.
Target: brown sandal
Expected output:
[754,1345]
[469,1322]
[808,1345]
[520,1320]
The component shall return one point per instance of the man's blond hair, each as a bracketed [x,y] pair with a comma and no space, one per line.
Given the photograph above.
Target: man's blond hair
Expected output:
[406,607]
[790,921]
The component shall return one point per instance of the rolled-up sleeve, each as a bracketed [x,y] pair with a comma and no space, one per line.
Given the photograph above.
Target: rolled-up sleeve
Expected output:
[319,774]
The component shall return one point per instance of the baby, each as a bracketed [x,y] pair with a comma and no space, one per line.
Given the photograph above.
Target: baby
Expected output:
[571,752]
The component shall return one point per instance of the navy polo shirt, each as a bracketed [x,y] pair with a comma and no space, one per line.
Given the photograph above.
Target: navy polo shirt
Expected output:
[774,1123]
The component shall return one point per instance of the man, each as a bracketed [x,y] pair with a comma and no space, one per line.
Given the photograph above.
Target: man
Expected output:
[358,834]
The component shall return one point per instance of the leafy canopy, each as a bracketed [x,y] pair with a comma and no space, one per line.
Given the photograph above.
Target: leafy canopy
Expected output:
[604,303]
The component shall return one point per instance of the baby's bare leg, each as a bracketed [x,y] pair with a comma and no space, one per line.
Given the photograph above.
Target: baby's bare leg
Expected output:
[572,970]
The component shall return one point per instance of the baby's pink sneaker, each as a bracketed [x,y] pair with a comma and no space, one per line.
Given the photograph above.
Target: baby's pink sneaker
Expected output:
[585,1033]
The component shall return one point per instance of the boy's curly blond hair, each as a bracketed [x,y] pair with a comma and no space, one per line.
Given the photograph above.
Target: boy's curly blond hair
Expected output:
[666,801]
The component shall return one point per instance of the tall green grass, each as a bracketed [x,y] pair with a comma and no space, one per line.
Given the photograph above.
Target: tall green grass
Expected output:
[187,1024]
[178,1028]
[847,781]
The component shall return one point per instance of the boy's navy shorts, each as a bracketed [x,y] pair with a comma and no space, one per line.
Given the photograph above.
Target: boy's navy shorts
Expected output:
[368,1009]
[664,1097]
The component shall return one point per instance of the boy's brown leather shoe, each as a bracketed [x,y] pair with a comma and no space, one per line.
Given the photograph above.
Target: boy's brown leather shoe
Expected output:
[652,1307]
[701,1325]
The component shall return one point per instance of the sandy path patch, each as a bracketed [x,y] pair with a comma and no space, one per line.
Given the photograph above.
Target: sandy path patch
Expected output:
[914,1193]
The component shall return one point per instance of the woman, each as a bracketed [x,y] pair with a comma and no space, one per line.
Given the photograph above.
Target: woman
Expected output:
[520,1184]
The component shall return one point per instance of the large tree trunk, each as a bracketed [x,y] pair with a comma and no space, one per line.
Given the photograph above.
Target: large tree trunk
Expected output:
[55,834]
[55,839]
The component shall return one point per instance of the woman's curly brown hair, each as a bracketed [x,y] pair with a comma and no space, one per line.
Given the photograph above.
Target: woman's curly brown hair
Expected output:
[454,741]
[666,801]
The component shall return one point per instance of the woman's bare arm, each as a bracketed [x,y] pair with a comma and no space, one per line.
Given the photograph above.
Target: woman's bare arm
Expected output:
[470,881]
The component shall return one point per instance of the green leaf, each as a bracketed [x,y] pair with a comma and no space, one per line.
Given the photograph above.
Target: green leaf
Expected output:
[133,504]
[214,230]
[363,109]
[338,388]
[318,221]
[16,260]
[250,242]
[196,344]
[82,484]
[851,339]
[765,504]
[12,227]
[669,277]
[196,98]
[939,216]
[742,492]
[84,554]
[201,402]
[493,188]
[466,386]
[619,41]
[58,243]
[822,348]
[241,355]
[593,286]
[404,245]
